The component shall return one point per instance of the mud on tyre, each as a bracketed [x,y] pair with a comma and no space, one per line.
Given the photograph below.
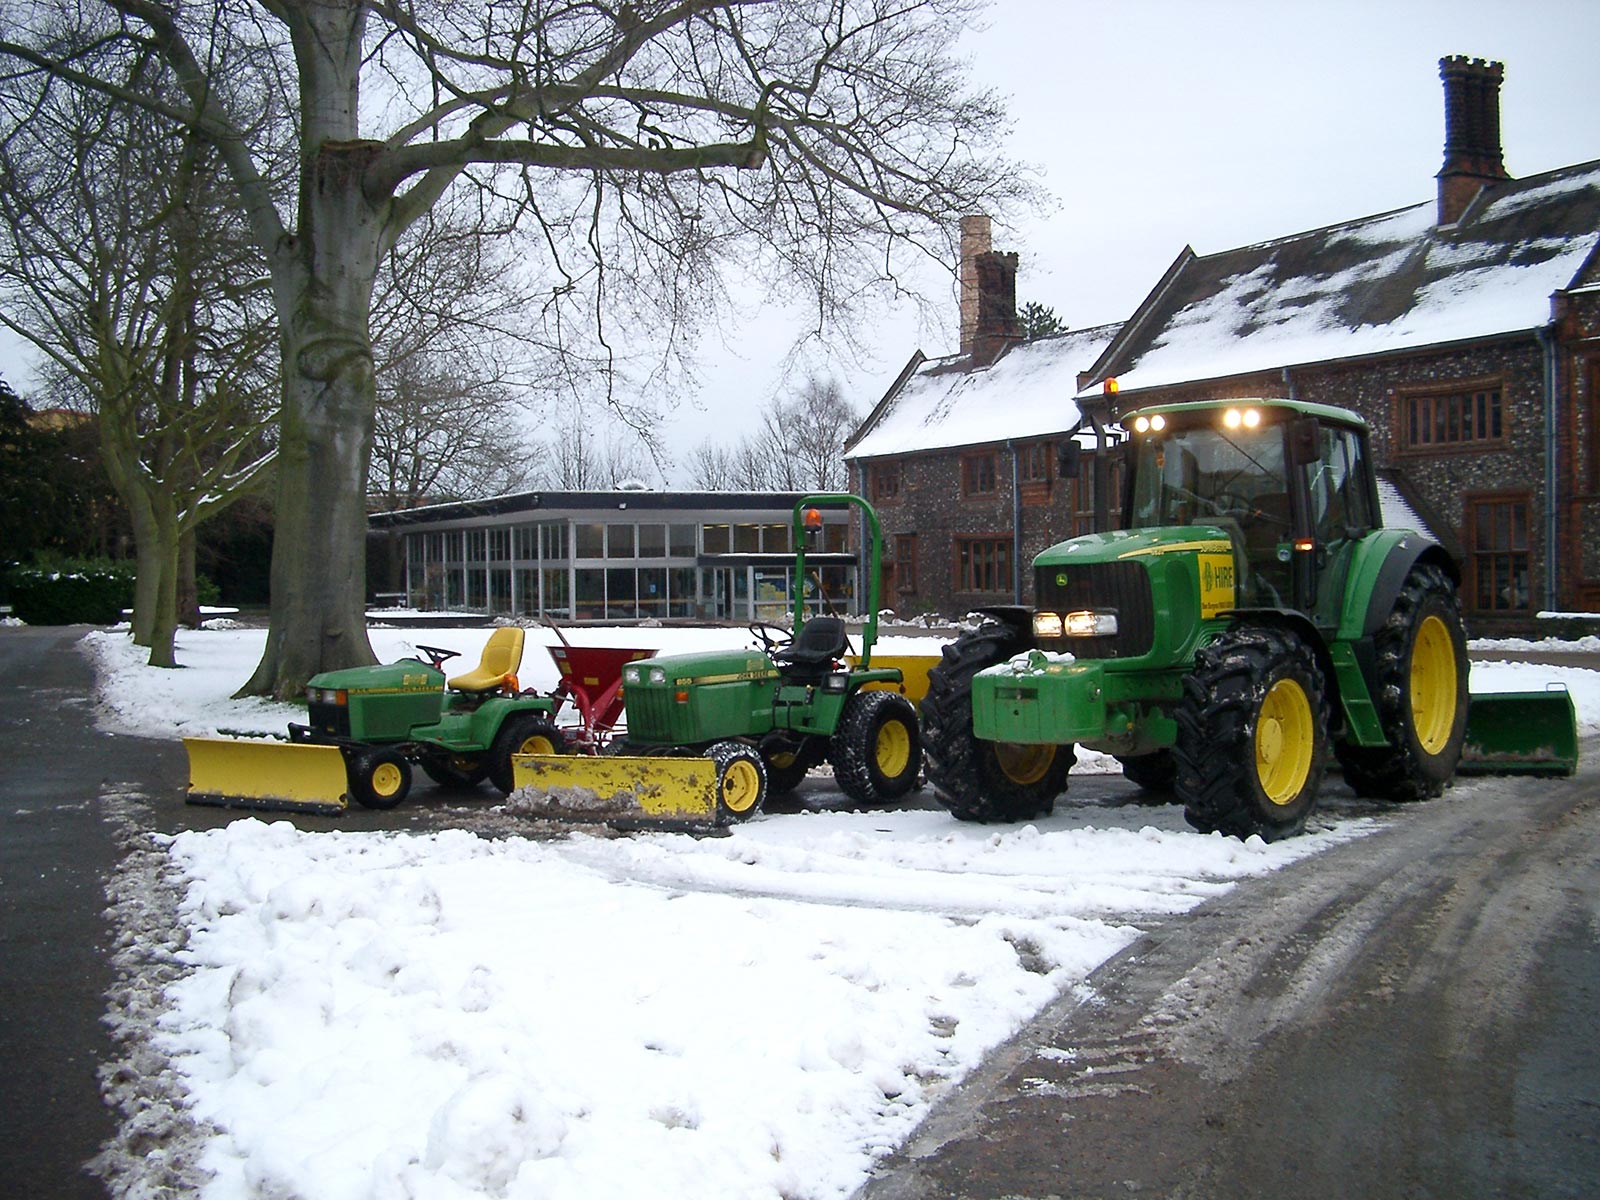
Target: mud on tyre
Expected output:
[974,779]
[1252,735]
[1421,694]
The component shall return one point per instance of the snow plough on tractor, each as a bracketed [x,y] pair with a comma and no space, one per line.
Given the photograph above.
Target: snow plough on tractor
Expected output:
[368,725]
[711,735]
[1251,618]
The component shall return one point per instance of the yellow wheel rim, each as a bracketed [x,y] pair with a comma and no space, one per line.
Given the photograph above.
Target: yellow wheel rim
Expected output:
[1284,742]
[741,786]
[386,779]
[537,744]
[1024,764]
[1433,685]
[893,751]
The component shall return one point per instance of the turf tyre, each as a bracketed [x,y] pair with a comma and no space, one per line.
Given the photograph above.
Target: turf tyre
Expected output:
[978,780]
[521,733]
[877,749]
[379,778]
[1421,707]
[454,773]
[1252,740]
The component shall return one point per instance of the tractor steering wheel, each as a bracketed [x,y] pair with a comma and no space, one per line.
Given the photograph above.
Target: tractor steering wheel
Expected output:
[437,657]
[763,633]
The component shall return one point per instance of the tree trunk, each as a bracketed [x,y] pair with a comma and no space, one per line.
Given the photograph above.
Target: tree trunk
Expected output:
[318,620]
[164,623]
[188,605]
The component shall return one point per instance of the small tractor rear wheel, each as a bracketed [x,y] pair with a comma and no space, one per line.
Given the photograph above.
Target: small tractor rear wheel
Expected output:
[1154,774]
[974,779]
[379,778]
[741,781]
[877,749]
[1421,695]
[1252,735]
[523,733]
[455,772]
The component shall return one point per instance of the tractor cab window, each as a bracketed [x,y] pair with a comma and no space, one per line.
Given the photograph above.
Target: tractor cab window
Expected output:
[1341,508]
[1233,479]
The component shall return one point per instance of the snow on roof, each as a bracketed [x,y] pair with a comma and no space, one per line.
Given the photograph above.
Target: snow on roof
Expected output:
[1396,512]
[1028,392]
[1391,282]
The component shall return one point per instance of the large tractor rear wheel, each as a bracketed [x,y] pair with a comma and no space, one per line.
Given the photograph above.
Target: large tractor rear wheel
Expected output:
[1421,695]
[455,772]
[1252,735]
[521,734]
[741,785]
[974,779]
[877,749]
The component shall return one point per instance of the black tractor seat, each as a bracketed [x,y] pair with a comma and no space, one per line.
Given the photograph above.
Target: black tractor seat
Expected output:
[820,644]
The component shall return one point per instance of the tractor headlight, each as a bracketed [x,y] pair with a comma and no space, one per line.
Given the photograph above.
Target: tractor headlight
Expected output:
[1046,625]
[630,674]
[658,675]
[1090,624]
[836,681]
[328,696]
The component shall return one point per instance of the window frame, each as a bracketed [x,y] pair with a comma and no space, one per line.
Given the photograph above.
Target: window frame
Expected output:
[1452,407]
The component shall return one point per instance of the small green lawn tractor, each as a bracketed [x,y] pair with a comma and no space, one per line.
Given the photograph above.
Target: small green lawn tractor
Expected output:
[711,735]
[1251,618]
[367,725]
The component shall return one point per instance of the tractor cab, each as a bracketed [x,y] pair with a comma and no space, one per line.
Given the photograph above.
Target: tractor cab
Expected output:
[1290,486]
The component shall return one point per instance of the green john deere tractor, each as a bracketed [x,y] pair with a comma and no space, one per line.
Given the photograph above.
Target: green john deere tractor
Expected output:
[367,725]
[711,735]
[1251,618]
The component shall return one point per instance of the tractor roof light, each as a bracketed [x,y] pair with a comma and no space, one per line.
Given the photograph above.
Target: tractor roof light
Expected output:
[1151,424]
[812,519]
[1249,418]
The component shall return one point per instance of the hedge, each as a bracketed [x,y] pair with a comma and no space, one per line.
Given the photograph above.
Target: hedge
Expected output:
[88,593]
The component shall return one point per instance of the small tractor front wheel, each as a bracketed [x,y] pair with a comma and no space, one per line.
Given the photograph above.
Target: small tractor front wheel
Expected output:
[741,785]
[974,779]
[1252,735]
[1421,695]
[521,734]
[877,749]
[379,778]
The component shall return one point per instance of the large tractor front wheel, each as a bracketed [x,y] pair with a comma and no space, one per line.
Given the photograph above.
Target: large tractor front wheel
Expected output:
[877,749]
[1421,695]
[521,734]
[1252,735]
[974,779]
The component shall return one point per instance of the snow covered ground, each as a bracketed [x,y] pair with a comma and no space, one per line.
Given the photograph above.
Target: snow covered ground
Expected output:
[370,1015]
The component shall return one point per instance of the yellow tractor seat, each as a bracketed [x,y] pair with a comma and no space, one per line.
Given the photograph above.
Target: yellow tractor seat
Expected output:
[502,655]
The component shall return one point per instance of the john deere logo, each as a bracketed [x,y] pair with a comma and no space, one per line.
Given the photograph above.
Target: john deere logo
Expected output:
[1061,579]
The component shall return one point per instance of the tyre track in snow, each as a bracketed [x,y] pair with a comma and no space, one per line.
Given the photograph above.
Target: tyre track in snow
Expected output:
[1407,1015]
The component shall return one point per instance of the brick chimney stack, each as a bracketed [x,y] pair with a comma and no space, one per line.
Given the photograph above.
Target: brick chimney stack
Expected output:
[997,306]
[1472,154]
[975,240]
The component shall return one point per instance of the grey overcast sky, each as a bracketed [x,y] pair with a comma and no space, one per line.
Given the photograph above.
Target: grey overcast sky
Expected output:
[1209,123]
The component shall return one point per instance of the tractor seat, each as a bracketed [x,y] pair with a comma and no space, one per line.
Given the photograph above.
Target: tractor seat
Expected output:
[502,655]
[819,644]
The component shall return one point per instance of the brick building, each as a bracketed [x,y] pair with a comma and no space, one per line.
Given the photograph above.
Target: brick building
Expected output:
[1465,329]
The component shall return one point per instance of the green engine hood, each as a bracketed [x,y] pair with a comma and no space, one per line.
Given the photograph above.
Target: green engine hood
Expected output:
[1136,543]
[407,675]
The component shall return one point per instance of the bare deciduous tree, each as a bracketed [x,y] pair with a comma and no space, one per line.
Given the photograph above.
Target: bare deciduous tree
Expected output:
[821,141]
[798,447]
[123,264]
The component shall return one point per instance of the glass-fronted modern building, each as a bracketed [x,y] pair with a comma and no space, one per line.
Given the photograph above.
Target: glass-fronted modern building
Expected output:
[625,555]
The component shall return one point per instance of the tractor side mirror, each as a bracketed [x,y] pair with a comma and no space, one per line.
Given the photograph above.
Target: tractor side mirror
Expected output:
[1069,457]
[1305,442]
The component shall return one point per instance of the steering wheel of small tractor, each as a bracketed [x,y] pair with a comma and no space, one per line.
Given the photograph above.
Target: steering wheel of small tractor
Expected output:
[763,633]
[438,657]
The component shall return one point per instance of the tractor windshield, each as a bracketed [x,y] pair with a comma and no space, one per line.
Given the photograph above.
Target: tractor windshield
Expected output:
[1205,475]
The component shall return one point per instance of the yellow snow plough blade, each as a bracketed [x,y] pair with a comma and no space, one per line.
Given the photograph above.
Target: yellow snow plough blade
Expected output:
[290,776]
[641,792]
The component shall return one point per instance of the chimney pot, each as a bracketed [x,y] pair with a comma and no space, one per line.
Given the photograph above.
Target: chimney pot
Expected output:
[997,306]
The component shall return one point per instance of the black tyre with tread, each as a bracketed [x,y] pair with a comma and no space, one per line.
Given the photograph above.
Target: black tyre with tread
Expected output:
[457,773]
[877,749]
[380,778]
[787,762]
[741,784]
[974,779]
[1252,735]
[1422,708]
[1155,774]
[521,733]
